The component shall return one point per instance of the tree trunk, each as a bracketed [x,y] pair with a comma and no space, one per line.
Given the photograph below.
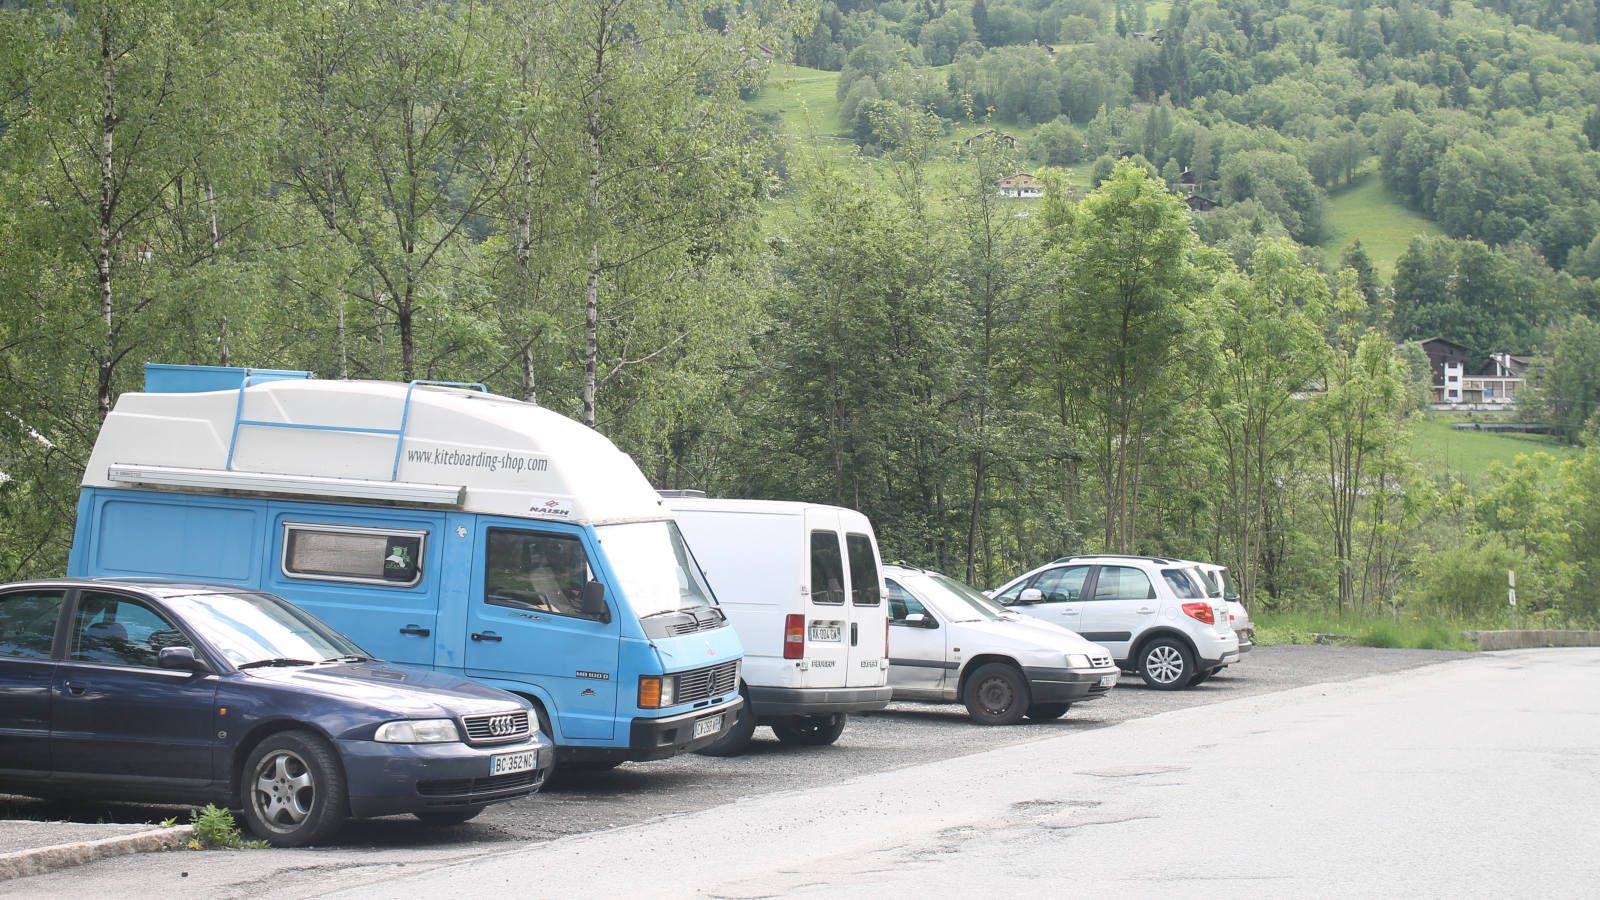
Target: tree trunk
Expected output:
[107,234]
[591,301]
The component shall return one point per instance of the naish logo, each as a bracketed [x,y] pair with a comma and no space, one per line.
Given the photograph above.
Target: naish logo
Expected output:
[558,509]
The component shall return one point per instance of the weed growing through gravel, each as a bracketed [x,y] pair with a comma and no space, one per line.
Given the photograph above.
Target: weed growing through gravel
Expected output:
[214,829]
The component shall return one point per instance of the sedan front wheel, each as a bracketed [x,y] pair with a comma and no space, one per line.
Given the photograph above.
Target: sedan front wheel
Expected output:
[294,790]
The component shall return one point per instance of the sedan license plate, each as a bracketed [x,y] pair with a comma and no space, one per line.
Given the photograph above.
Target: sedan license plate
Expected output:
[511,763]
[707,726]
[1108,680]
[825,633]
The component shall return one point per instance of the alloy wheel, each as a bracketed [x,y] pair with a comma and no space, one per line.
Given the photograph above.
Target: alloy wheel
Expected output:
[284,790]
[1164,663]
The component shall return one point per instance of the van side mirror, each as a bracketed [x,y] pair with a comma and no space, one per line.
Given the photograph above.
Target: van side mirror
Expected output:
[1031,595]
[181,659]
[594,602]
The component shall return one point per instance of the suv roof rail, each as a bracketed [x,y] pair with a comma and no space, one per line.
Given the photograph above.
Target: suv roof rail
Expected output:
[1158,559]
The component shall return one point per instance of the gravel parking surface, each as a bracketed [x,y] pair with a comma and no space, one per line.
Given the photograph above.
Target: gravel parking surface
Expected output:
[903,735]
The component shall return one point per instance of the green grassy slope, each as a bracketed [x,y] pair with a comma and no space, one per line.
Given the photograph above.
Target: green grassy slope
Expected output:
[1469,453]
[1374,214]
[795,93]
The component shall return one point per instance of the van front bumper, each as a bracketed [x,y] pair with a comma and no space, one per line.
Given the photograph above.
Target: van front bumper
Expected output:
[778,701]
[1069,685]
[395,779]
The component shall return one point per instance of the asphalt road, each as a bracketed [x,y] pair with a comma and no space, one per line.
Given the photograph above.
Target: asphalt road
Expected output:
[908,737]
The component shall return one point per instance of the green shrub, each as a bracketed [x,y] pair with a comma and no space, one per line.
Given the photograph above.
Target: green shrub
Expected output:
[214,829]
[1469,582]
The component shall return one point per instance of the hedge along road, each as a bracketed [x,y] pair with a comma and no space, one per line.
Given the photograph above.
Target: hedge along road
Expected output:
[903,735]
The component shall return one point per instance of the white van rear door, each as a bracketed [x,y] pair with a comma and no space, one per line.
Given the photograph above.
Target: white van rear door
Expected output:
[868,617]
[827,607]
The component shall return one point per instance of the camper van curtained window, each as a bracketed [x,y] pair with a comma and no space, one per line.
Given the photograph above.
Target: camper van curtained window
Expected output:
[351,553]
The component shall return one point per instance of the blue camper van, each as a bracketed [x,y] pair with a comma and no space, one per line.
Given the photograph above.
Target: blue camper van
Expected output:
[437,525]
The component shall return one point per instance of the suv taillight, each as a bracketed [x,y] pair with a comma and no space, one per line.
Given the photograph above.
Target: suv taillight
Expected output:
[794,637]
[1201,611]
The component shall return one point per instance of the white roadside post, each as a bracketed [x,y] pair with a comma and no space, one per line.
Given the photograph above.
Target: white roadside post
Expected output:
[1511,576]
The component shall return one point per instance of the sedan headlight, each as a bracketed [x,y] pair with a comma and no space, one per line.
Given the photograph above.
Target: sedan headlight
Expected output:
[418,731]
[1077,661]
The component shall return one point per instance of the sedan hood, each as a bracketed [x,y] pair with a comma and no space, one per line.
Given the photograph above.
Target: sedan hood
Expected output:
[403,690]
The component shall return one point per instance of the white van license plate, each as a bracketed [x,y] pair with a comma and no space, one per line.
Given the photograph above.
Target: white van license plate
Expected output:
[512,763]
[1108,680]
[707,726]
[825,633]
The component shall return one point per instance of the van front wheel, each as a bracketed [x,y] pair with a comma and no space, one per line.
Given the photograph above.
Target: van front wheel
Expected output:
[810,731]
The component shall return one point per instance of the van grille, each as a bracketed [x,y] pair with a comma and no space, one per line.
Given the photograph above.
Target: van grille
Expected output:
[702,684]
[497,728]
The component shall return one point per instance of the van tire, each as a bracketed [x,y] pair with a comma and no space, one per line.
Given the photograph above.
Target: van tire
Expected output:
[1047,712]
[1166,664]
[451,817]
[810,731]
[997,694]
[738,737]
[310,782]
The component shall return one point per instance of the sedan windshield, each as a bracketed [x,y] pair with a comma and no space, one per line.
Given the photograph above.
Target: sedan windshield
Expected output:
[654,567]
[954,600]
[257,628]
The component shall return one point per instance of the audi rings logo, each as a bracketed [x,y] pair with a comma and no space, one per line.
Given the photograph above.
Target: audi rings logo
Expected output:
[500,726]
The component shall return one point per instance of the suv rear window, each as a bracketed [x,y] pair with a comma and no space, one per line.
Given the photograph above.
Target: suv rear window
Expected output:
[1183,586]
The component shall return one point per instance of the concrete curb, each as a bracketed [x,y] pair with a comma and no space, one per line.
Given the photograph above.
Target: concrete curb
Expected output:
[1520,640]
[61,856]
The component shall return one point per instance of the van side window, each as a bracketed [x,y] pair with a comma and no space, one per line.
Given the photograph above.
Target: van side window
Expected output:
[537,571]
[827,569]
[28,623]
[863,570]
[352,553]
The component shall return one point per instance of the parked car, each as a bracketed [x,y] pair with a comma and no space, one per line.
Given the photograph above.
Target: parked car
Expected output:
[438,525]
[800,583]
[1219,583]
[947,642]
[1154,614]
[194,693]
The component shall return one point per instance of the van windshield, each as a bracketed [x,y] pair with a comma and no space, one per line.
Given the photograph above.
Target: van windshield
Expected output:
[654,567]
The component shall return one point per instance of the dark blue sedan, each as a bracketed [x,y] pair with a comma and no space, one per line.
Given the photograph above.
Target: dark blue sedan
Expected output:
[192,693]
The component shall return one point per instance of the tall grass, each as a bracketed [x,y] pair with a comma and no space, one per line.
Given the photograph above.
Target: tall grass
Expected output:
[1366,631]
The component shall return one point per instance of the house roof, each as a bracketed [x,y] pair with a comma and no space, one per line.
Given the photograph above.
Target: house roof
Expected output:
[1439,340]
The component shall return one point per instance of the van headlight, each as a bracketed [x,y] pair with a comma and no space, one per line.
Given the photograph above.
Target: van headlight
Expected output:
[418,731]
[658,691]
[1077,661]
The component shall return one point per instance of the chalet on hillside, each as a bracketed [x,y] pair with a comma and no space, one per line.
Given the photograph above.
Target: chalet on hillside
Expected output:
[1200,204]
[999,137]
[1494,387]
[1021,185]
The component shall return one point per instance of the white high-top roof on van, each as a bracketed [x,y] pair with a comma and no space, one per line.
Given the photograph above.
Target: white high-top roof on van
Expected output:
[459,448]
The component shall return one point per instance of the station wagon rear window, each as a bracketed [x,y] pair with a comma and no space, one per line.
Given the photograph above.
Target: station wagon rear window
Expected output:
[351,553]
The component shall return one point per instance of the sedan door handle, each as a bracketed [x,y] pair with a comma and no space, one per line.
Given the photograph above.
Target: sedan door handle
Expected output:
[485,636]
[1069,612]
[419,632]
[76,687]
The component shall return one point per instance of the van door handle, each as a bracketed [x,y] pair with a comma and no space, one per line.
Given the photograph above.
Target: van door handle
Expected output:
[76,688]
[485,636]
[419,632]
[852,634]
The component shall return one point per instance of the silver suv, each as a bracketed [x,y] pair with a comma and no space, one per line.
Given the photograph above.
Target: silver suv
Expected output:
[1154,614]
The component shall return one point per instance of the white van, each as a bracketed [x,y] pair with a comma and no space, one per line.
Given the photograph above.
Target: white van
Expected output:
[802,584]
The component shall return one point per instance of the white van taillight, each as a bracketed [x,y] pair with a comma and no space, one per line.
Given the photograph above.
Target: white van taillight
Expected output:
[1201,611]
[794,637]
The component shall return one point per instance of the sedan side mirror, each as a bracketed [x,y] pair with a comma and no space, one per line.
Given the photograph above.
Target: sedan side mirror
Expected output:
[594,602]
[181,659]
[1031,595]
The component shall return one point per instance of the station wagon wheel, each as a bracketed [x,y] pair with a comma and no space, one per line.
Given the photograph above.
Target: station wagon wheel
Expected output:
[997,694]
[1166,664]
[293,790]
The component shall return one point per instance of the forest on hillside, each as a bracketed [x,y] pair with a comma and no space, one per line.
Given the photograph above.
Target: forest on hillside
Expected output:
[569,201]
